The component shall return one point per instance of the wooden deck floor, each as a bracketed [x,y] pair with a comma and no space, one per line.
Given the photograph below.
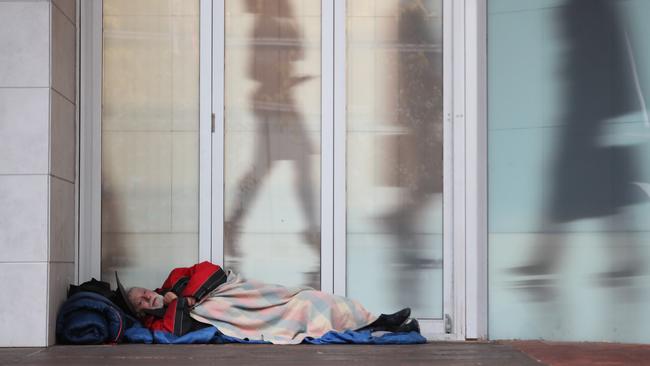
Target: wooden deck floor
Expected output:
[431,354]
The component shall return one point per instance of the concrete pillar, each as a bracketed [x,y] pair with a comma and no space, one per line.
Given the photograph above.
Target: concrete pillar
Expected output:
[38,142]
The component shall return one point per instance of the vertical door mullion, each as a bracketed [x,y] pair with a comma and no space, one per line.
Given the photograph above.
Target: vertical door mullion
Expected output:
[340,131]
[448,238]
[476,141]
[205,111]
[327,146]
[455,250]
[217,137]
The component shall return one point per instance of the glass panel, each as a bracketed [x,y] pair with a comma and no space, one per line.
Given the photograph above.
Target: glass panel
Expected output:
[569,170]
[150,119]
[394,155]
[272,140]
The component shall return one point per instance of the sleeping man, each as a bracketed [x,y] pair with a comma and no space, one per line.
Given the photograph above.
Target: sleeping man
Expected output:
[205,295]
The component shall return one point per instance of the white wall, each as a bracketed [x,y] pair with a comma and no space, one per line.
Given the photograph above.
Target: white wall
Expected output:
[37,166]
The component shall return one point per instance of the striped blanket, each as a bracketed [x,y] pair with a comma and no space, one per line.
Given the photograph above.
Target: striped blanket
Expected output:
[281,315]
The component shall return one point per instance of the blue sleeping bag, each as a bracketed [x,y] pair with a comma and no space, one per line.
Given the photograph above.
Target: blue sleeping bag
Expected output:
[212,335]
[89,318]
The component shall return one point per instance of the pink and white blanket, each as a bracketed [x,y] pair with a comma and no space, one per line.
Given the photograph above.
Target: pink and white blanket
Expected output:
[277,314]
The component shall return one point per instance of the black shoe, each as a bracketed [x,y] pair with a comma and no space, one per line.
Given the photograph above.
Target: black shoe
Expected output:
[396,319]
[388,322]
[410,325]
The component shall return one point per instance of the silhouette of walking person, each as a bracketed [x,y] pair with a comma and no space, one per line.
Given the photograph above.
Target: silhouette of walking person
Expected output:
[590,179]
[281,135]
[419,112]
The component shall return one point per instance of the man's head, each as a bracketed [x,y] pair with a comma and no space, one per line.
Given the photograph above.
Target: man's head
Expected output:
[144,299]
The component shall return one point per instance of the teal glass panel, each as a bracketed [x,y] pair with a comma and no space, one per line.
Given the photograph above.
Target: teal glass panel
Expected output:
[569,170]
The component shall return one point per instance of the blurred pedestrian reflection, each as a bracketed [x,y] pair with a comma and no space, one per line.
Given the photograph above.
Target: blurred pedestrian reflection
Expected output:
[419,113]
[591,177]
[276,46]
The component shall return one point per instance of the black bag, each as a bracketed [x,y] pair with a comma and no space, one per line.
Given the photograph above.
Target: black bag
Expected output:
[98,287]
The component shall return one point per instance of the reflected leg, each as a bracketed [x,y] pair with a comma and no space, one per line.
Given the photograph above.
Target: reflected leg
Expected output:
[626,258]
[539,282]
[546,253]
[408,248]
[303,184]
[248,188]
[304,189]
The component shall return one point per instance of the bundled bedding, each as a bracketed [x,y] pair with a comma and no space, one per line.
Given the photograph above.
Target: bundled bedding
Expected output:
[90,318]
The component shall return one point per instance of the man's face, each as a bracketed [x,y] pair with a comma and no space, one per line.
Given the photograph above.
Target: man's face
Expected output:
[144,299]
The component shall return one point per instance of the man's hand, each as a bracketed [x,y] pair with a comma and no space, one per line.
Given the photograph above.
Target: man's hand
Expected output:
[191,301]
[169,297]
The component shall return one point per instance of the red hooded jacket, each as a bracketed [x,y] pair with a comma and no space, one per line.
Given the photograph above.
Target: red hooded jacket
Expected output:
[196,281]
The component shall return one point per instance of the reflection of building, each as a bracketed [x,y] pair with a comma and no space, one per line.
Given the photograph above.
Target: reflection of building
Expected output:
[160,202]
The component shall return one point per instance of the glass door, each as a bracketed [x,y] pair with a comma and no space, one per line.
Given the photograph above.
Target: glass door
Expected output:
[150,127]
[272,140]
[395,154]
[394,159]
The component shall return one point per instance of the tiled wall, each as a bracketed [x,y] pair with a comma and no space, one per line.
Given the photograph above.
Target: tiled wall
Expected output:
[37,166]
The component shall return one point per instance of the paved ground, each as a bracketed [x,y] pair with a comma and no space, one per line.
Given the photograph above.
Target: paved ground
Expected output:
[431,354]
[583,354]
